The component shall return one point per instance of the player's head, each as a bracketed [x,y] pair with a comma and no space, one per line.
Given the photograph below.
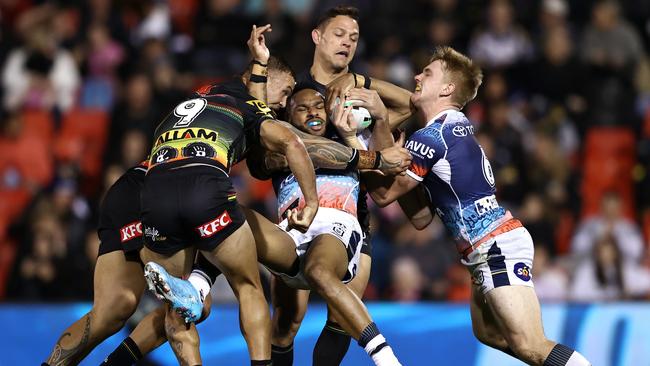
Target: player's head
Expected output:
[280,82]
[450,77]
[306,110]
[336,36]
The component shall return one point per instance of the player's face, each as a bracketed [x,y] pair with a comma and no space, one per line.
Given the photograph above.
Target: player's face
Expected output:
[278,89]
[337,42]
[307,112]
[429,84]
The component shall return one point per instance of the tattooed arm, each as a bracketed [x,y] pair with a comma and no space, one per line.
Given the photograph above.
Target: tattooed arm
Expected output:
[328,154]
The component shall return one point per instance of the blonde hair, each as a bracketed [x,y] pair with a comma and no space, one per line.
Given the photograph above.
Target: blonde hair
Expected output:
[464,73]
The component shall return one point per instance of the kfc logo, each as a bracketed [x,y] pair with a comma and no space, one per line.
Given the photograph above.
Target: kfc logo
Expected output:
[208,229]
[130,231]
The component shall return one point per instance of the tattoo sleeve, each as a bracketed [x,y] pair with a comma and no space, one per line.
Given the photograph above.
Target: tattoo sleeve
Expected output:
[324,153]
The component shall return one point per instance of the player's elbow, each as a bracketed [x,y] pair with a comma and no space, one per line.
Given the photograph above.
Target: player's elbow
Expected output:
[382,200]
[420,223]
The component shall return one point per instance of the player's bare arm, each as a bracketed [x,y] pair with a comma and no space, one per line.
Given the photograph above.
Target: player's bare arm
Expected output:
[325,153]
[385,190]
[277,138]
[256,84]
[398,100]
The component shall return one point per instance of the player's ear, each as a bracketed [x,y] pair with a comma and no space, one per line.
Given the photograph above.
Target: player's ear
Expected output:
[315,35]
[447,89]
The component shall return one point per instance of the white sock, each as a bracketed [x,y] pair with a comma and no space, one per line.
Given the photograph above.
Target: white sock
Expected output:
[577,359]
[199,281]
[384,356]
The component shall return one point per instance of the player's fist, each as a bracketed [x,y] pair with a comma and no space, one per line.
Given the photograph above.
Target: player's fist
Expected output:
[395,160]
[301,219]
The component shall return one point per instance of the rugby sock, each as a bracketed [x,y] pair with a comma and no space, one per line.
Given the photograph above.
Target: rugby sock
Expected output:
[332,345]
[261,363]
[127,353]
[203,275]
[200,282]
[376,347]
[562,355]
[282,356]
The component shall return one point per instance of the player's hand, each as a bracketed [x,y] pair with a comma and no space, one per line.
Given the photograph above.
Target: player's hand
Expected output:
[257,44]
[301,219]
[370,100]
[337,89]
[343,121]
[396,159]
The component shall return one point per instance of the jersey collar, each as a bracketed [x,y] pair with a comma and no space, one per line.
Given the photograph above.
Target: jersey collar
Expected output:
[441,116]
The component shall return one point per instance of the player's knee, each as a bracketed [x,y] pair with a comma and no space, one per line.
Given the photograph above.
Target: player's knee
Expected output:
[112,314]
[319,277]
[490,339]
[284,332]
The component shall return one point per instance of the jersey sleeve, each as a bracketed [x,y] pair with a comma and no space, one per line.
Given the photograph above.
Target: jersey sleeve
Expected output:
[254,112]
[426,151]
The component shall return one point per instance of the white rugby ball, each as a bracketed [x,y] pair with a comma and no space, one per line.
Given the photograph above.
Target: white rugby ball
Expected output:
[360,116]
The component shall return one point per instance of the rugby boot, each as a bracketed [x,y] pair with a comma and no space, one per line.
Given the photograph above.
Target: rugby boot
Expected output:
[180,294]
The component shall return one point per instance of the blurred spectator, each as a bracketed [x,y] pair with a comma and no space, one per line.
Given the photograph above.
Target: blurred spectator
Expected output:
[40,74]
[612,49]
[137,110]
[506,154]
[610,221]
[535,218]
[551,281]
[558,78]
[104,56]
[407,282]
[220,37]
[606,275]
[503,43]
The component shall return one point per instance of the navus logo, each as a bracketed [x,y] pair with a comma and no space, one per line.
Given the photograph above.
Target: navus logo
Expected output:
[420,149]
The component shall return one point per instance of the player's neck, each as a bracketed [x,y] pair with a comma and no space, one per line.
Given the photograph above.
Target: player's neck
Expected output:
[431,110]
[325,74]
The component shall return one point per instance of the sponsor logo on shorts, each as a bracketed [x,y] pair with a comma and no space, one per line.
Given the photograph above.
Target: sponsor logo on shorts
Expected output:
[152,232]
[522,271]
[477,278]
[208,229]
[339,229]
[131,231]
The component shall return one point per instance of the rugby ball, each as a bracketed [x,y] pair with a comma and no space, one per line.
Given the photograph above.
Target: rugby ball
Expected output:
[360,116]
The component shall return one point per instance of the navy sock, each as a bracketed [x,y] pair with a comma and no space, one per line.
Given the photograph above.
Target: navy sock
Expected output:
[559,356]
[209,270]
[332,345]
[282,356]
[261,363]
[127,353]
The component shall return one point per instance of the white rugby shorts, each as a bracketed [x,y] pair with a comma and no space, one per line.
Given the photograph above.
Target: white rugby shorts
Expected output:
[340,224]
[504,260]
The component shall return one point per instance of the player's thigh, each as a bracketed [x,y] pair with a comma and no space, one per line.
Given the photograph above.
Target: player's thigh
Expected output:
[326,253]
[118,284]
[275,248]
[178,264]
[517,312]
[236,257]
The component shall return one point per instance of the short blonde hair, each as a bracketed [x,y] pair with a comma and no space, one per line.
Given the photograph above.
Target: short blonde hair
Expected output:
[464,73]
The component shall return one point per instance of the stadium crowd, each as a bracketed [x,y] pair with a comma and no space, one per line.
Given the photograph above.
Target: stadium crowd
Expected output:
[563,115]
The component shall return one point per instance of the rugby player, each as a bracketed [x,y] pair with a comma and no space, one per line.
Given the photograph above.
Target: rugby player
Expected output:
[327,255]
[495,247]
[335,38]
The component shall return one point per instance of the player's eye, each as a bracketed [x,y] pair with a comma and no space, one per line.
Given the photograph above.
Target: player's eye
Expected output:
[301,109]
[354,38]
[320,106]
